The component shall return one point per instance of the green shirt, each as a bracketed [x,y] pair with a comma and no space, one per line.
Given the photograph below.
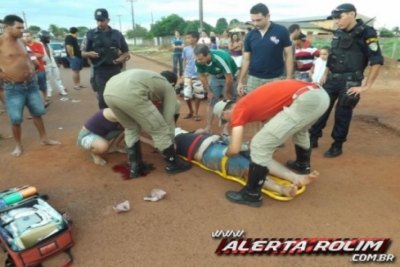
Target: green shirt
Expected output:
[221,63]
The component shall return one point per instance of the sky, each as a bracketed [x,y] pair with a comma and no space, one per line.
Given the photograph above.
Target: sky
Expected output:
[68,13]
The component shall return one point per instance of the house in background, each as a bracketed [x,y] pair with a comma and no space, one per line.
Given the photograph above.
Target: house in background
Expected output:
[318,25]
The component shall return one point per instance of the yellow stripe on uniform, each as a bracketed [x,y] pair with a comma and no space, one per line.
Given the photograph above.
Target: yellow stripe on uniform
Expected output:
[372,40]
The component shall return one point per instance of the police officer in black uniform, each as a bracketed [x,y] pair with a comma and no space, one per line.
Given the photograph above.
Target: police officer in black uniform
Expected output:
[354,45]
[107,50]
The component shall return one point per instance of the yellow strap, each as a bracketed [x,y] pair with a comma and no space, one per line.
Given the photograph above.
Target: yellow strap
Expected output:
[271,194]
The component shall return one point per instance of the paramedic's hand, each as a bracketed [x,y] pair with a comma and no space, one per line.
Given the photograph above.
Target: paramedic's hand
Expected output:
[241,89]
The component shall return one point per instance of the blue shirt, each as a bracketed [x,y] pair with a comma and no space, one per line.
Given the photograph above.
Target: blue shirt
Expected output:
[177,42]
[190,60]
[266,52]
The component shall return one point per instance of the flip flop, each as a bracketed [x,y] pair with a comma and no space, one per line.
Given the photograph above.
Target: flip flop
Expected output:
[196,118]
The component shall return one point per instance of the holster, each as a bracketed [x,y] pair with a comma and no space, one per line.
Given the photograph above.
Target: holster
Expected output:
[347,100]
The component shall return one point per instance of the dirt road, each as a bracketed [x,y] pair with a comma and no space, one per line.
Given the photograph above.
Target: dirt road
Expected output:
[357,194]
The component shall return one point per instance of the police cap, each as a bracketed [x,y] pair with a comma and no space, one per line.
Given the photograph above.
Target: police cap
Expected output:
[340,9]
[101,14]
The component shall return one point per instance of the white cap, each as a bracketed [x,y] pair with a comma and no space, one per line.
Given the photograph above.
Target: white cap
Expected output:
[218,109]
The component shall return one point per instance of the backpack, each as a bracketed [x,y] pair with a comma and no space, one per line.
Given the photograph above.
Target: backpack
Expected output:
[31,230]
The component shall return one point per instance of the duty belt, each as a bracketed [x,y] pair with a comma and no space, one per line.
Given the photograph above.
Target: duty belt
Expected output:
[347,76]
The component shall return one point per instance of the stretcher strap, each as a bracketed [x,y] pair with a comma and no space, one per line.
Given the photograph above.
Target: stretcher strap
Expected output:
[193,146]
[271,194]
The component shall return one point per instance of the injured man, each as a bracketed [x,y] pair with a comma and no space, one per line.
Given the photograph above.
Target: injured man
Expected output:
[209,149]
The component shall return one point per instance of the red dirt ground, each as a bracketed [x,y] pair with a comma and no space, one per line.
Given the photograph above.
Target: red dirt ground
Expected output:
[357,194]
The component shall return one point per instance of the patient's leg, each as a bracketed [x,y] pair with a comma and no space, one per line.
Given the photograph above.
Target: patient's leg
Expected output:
[278,170]
[287,191]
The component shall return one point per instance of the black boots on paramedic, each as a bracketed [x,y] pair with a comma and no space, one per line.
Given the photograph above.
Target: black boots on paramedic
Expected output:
[250,194]
[174,164]
[302,162]
[138,166]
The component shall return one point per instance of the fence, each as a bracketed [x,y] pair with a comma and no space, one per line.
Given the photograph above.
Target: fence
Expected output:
[390,46]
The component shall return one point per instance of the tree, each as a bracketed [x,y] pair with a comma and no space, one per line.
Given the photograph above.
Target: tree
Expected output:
[34,29]
[57,31]
[396,30]
[221,25]
[194,25]
[138,32]
[82,30]
[168,25]
[234,23]
[383,32]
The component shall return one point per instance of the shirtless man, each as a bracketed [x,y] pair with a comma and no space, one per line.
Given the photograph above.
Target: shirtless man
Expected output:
[20,85]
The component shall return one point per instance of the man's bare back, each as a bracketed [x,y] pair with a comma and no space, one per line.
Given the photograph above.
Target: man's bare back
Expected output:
[15,64]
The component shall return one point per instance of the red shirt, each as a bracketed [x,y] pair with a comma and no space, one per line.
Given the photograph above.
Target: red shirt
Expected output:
[265,102]
[37,48]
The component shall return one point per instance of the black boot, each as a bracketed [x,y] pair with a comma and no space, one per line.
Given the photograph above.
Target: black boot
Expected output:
[302,162]
[138,166]
[334,151]
[250,194]
[314,142]
[174,164]
[176,117]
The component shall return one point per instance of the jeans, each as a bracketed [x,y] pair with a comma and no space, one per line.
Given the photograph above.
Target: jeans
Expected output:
[177,61]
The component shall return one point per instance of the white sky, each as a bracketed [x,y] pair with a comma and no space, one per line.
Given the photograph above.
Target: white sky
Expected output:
[67,13]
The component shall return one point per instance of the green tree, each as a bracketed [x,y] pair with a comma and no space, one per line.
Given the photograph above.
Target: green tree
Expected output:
[34,29]
[82,30]
[138,32]
[194,25]
[57,31]
[383,32]
[234,23]
[396,30]
[168,25]
[221,25]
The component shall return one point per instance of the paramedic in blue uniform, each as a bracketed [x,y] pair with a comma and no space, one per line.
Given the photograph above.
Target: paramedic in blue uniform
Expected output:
[107,50]
[354,46]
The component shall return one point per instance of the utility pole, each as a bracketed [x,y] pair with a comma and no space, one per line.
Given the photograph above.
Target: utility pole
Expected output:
[26,22]
[201,15]
[119,18]
[133,13]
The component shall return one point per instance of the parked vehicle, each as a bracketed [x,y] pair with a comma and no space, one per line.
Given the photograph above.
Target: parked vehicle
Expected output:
[59,54]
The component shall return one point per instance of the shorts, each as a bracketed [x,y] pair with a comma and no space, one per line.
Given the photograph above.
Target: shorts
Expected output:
[19,95]
[75,63]
[217,87]
[193,88]
[255,82]
[86,137]
[237,165]
[42,81]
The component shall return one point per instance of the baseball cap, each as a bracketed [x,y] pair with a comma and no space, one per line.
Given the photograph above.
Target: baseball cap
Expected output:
[101,14]
[340,9]
[219,108]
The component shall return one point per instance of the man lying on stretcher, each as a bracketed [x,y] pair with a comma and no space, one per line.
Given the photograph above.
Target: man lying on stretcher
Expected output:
[209,149]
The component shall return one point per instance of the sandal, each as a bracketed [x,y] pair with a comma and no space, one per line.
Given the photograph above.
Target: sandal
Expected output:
[188,116]
[196,118]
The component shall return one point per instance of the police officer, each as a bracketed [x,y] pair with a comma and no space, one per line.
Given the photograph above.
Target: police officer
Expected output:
[107,50]
[354,44]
